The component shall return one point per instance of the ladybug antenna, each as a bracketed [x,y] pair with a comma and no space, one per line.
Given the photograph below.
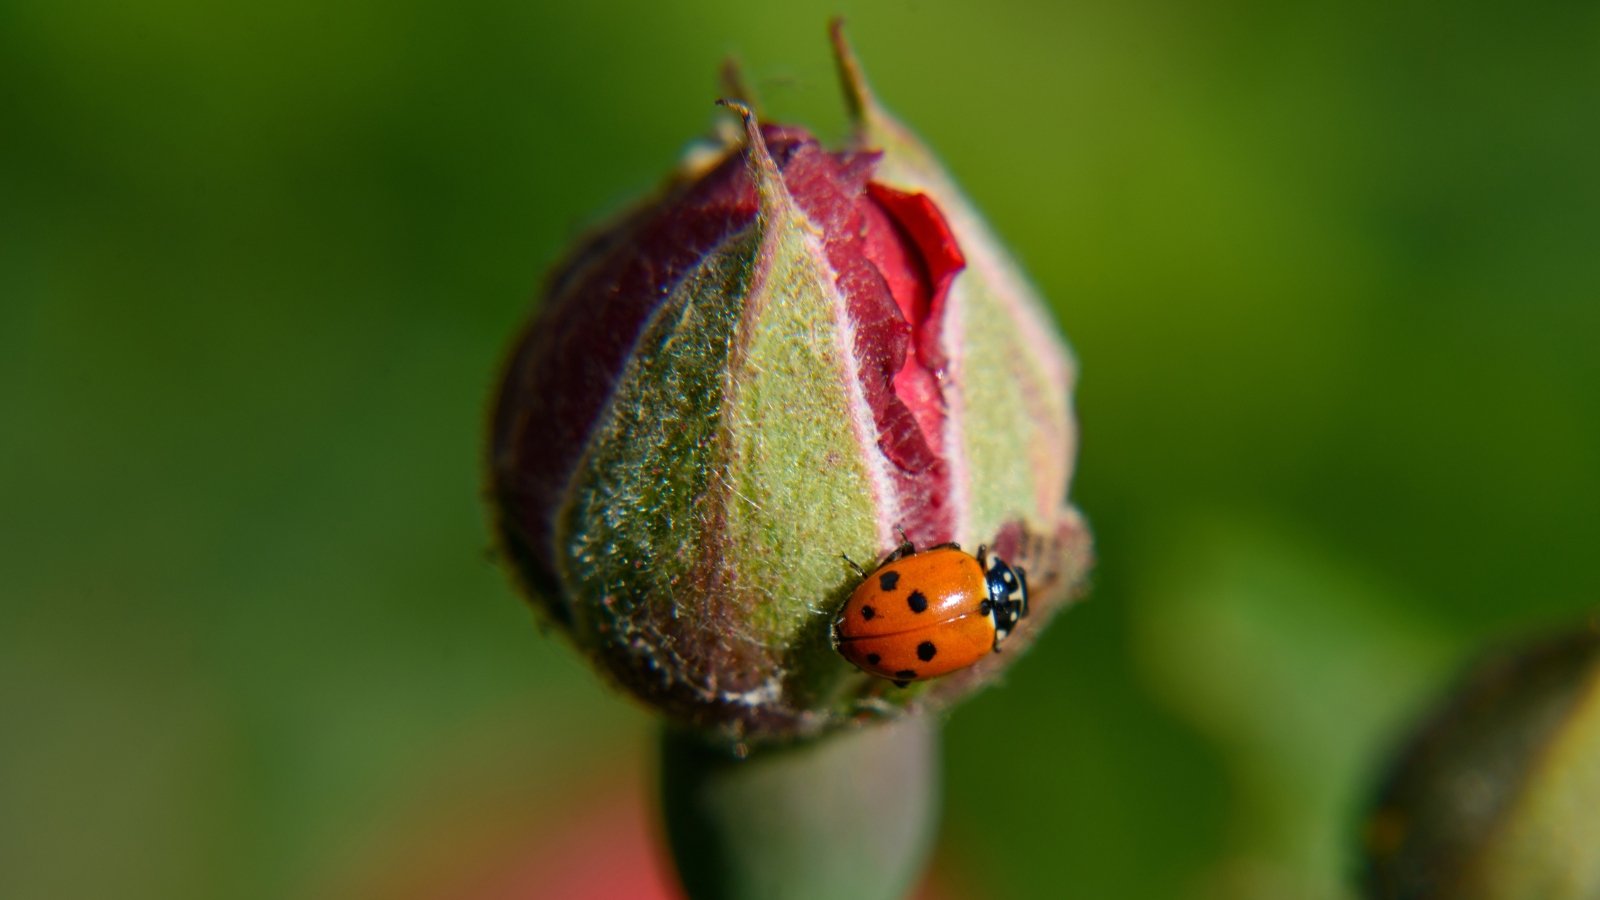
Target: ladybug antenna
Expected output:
[905,542]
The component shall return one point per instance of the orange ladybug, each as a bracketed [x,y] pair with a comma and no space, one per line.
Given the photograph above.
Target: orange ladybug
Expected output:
[923,614]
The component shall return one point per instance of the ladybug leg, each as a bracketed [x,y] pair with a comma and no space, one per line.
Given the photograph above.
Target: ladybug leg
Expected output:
[901,684]
[905,549]
[900,552]
[860,573]
[983,558]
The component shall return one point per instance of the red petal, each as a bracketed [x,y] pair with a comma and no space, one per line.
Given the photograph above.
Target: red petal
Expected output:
[942,260]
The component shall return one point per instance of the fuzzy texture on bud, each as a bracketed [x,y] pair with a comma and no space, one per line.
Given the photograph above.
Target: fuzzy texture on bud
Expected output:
[790,354]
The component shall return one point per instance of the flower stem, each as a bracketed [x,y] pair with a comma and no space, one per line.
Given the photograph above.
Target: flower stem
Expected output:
[849,816]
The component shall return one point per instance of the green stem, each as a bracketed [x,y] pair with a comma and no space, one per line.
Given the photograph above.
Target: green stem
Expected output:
[850,816]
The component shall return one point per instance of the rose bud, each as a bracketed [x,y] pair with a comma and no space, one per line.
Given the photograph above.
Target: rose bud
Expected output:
[1495,796]
[788,354]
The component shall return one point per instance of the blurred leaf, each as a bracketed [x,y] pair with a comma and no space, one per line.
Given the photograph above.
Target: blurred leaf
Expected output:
[1299,667]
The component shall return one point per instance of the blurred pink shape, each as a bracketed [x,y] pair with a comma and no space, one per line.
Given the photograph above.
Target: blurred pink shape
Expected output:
[597,839]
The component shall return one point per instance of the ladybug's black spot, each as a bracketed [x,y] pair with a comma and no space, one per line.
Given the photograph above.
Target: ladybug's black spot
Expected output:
[888,580]
[917,602]
[868,612]
[984,607]
[873,659]
[926,650]
[905,674]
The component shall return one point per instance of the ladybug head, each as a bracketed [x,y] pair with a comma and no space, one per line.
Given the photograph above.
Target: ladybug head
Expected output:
[1008,595]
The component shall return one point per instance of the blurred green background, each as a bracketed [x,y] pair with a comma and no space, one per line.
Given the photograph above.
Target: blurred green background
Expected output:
[1331,269]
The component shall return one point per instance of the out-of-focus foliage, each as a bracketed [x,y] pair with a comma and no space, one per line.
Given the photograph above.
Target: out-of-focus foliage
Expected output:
[1330,270]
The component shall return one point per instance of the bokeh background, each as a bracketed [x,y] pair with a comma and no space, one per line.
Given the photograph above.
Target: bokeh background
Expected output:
[1332,270]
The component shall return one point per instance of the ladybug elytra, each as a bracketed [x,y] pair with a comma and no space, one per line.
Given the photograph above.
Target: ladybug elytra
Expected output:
[920,615]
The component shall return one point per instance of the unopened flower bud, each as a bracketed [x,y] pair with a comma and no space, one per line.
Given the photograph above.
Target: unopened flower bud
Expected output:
[790,354]
[1495,798]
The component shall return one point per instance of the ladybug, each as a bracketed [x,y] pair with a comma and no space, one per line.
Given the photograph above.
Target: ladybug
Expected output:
[923,614]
